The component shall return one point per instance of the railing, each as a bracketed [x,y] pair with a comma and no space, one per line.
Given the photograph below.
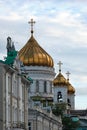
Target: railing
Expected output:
[47,113]
[19,125]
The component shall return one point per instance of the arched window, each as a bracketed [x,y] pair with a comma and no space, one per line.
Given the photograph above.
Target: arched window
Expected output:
[45,87]
[68,101]
[59,97]
[37,86]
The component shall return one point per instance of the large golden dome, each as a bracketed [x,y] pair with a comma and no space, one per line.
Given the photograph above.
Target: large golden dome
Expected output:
[60,80]
[33,54]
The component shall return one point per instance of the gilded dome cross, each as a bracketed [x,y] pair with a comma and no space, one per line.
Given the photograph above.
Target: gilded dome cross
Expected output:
[32,23]
[68,73]
[60,63]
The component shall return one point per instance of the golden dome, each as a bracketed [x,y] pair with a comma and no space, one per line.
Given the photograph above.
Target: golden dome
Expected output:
[33,54]
[71,89]
[60,80]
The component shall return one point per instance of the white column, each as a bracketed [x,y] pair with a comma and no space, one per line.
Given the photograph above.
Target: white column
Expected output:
[7,99]
[20,105]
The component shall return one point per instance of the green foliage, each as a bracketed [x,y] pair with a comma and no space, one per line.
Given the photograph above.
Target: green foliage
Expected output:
[59,109]
[69,124]
[67,121]
[36,98]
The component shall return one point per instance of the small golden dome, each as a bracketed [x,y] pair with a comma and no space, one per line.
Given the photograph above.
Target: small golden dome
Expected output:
[60,80]
[33,54]
[71,89]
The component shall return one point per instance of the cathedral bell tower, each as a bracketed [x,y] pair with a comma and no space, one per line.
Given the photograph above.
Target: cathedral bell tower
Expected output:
[64,92]
[60,87]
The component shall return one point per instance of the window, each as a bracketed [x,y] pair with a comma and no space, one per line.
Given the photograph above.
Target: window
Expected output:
[29,88]
[37,86]
[22,92]
[23,116]
[50,87]
[45,86]
[68,101]
[15,114]
[15,88]
[59,96]
[29,126]
[9,84]
[9,110]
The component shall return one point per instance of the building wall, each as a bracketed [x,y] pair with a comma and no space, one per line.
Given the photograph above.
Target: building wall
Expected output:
[13,99]
[40,120]
[40,74]
[72,100]
[2,98]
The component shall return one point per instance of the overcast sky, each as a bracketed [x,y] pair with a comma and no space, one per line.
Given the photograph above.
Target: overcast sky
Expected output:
[60,28]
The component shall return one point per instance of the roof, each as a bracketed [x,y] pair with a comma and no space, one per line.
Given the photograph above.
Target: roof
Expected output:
[71,89]
[33,54]
[83,122]
[79,112]
[60,80]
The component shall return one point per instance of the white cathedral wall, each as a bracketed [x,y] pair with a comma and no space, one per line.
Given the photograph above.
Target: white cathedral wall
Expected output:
[72,100]
[41,88]
[41,74]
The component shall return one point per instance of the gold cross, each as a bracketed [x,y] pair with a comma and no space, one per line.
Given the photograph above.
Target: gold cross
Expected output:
[32,23]
[68,73]
[60,63]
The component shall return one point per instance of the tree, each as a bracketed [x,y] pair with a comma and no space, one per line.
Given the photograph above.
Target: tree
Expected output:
[69,124]
[67,120]
[59,109]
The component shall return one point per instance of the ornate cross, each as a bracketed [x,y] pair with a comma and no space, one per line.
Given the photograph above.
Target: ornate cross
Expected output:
[60,63]
[68,73]
[32,23]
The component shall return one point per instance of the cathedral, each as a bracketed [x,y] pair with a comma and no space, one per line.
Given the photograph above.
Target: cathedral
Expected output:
[47,88]
[34,72]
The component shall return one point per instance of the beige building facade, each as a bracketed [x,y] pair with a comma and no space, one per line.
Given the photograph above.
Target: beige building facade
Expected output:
[41,120]
[13,96]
